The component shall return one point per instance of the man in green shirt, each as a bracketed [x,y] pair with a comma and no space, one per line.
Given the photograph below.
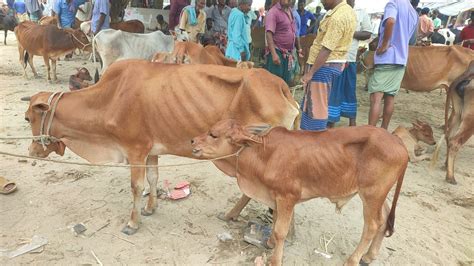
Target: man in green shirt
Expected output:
[436,20]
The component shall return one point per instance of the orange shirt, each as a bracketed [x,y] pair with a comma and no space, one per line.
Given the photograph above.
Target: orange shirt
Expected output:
[425,25]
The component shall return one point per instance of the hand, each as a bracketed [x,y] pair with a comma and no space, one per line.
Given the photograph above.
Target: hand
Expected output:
[382,49]
[276,59]
[306,78]
[300,53]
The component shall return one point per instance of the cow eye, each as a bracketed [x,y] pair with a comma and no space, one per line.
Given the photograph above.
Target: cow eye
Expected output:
[27,119]
[212,135]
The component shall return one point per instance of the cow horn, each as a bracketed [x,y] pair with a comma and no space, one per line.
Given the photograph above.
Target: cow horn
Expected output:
[26,98]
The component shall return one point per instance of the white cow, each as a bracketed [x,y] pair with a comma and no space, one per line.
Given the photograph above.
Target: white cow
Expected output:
[444,36]
[114,45]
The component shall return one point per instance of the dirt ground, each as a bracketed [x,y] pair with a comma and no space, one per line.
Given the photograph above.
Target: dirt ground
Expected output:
[434,223]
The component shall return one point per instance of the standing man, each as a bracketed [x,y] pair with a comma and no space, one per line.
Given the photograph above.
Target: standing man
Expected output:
[467,34]
[65,12]
[280,33]
[220,15]
[176,7]
[327,58]
[20,10]
[193,20]
[34,10]
[305,15]
[84,12]
[315,26]
[100,16]
[390,59]
[238,43]
[343,99]
[425,25]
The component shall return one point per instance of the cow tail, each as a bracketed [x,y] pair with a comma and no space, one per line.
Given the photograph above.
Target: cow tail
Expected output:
[391,216]
[26,57]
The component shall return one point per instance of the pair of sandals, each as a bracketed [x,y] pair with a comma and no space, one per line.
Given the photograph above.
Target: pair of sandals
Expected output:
[6,186]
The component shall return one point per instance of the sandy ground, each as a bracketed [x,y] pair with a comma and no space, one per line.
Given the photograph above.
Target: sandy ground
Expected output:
[434,223]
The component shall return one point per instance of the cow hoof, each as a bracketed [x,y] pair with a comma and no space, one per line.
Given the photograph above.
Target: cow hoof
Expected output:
[129,230]
[451,181]
[222,216]
[147,213]
[267,244]
[363,263]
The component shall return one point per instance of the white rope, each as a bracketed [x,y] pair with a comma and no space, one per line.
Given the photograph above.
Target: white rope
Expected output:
[120,165]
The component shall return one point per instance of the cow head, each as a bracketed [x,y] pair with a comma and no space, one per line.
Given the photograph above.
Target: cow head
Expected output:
[80,40]
[224,138]
[38,106]
[83,74]
[423,132]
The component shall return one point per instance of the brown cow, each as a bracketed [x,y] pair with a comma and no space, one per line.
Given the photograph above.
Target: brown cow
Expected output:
[410,137]
[139,110]
[133,26]
[47,41]
[193,53]
[460,126]
[431,67]
[324,164]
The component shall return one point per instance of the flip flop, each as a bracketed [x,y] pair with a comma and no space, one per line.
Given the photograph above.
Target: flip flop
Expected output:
[6,186]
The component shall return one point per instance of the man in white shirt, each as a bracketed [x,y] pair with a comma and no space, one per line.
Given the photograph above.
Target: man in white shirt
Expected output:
[84,12]
[343,100]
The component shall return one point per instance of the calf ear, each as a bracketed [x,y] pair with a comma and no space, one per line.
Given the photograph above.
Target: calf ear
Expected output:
[40,107]
[242,137]
[258,129]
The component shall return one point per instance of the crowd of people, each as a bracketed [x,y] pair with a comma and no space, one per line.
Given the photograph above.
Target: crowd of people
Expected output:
[68,13]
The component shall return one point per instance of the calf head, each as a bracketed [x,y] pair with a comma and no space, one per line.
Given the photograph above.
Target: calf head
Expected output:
[83,74]
[180,35]
[423,132]
[225,138]
[38,107]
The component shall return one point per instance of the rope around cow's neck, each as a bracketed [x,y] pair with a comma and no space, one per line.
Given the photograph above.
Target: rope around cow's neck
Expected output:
[83,45]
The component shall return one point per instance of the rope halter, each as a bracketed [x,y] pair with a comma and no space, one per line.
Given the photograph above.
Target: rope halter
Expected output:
[46,139]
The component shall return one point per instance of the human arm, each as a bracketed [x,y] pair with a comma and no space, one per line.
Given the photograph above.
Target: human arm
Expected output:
[366,26]
[100,23]
[57,12]
[270,27]
[387,36]
[318,63]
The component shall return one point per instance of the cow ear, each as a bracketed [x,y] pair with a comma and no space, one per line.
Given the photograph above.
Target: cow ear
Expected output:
[40,107]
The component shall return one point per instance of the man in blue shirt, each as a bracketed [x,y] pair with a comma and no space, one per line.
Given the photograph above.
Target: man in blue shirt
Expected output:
[34,10]
[305,15]
[65,11]
[238,43]
[20,10]
[100,16]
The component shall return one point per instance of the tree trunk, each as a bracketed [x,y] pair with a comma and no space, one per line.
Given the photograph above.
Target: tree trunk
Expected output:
[116,9]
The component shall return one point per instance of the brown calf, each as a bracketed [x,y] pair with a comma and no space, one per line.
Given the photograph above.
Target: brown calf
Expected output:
[193,53]
[460,126]
[77,81]
[133,26]
[410,137]
[324,164]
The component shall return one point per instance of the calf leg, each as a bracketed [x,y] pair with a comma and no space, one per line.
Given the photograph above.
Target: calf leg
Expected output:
[137,180]
[373,220]
[377,241]
[454,145]
[235,212]
[152,177]
[5,40]
[21,51]
[281,226]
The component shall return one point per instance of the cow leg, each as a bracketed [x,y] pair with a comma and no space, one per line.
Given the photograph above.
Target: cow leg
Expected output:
[152,177]
[377,242]
[5,40]
[454,145]
[21,51]
[235,212]
[48,67]
[281,226]
[53,61]
[373,220]
[137,180]
[30,61]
